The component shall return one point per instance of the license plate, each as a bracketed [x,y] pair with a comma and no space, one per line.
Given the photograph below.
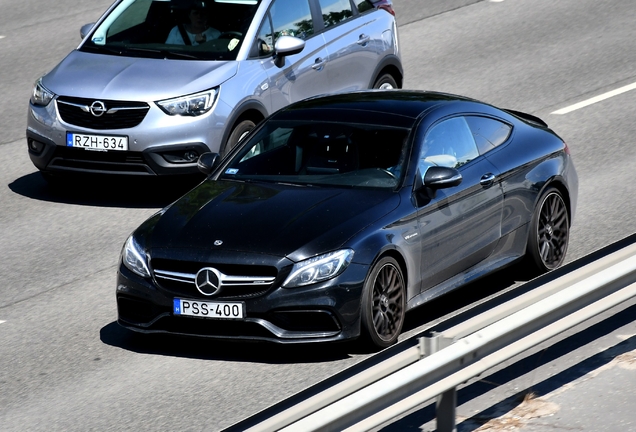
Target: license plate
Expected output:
[203,309]
[97,142]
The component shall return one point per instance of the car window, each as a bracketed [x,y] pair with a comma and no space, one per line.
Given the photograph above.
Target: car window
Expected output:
[335,11]
[175,29]
[324,153]
[292,18]
[449,143]
[487,132]
[264,44]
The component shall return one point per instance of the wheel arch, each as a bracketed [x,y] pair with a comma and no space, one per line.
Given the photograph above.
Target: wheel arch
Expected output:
[250,110]
[392,65]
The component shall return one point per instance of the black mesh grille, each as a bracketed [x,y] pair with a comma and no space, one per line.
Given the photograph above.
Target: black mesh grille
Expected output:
[125,114]
[112,161]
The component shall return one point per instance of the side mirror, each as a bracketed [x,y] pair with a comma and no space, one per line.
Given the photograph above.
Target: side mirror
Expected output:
[208,162]
[286,46]
[86,28]
[437,177]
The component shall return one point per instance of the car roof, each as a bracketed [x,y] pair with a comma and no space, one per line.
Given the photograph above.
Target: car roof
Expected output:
[398,108]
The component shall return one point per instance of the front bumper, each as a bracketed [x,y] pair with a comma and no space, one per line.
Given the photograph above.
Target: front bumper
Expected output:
[50,157]
[329,311]
[158,145]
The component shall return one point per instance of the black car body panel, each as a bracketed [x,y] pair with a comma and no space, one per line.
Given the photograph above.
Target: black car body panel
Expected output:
[272,207]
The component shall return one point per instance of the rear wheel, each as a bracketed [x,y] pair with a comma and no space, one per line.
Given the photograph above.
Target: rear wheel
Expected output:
[240,130]
[384,303]
[385,82]
[549,232]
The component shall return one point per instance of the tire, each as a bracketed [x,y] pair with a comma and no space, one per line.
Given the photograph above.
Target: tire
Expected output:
[240,130]
[385,82]
[549,232]
[383,307]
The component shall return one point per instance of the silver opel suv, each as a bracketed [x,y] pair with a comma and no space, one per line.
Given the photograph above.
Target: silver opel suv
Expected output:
[156,83]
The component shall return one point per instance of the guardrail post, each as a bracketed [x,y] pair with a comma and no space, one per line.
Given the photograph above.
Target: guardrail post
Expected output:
[446,404]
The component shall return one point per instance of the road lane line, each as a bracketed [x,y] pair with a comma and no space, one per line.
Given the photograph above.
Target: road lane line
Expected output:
[595,99]
[2,321]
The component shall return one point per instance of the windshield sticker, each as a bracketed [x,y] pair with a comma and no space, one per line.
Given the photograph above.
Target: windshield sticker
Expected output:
[231,171]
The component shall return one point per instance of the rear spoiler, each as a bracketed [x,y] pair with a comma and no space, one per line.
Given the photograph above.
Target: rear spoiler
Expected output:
[528,117]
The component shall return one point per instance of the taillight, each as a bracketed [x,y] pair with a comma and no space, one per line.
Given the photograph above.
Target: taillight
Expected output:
[386,5]
[566,149]
[387,8]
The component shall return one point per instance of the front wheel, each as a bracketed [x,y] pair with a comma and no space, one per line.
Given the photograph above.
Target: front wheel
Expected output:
[549,232]
[383,303]
[240,130]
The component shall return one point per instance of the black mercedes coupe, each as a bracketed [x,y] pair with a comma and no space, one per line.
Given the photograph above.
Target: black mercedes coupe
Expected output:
[340,213]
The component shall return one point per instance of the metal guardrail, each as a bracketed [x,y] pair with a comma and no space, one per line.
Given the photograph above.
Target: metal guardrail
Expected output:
[438,364]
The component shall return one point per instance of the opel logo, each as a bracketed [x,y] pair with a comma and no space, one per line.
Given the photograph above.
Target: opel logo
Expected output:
[98,108]
[208,281]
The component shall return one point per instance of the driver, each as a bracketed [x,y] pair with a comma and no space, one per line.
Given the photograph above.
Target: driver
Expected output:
[195,32]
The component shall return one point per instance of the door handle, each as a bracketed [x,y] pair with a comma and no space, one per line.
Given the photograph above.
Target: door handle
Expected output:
[364,39]
[319,64]
[487,179]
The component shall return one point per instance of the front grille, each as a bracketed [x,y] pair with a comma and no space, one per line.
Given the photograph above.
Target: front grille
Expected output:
[112,161]
[117,115]
[241,281]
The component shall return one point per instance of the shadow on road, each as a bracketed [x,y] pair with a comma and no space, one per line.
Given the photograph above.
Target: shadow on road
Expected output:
[207,349]
[105,191]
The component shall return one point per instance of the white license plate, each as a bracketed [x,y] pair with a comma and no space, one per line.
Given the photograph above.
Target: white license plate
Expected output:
[218,310]
[97,142]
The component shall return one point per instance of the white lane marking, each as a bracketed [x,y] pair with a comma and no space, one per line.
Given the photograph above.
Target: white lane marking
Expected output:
[2,36]
[595,99]
[2,321]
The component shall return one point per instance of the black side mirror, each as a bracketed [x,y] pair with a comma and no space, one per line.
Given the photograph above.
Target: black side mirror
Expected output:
[437,177]
[208,162]
[286,46]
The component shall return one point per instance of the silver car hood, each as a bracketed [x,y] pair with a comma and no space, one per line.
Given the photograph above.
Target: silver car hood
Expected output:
[128,78]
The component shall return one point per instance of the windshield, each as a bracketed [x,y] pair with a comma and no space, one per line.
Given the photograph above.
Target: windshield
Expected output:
[321,154]
[177,29]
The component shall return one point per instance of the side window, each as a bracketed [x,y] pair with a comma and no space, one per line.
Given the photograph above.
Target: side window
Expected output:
[292,18]
[264,45]
[449,143]
[336,11]
[488,133]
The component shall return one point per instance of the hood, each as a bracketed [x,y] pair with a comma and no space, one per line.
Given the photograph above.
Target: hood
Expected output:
[273,219]
[101,76]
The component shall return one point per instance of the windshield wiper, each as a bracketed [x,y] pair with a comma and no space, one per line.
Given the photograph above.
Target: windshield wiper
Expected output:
[162,52]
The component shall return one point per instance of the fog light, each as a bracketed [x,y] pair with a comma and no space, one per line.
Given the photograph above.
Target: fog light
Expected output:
[191,156]
[35,146]
[188,156]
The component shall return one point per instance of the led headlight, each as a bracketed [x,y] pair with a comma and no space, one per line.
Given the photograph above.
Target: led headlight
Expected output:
[318,269]
[41,95]
[191,105]
[134,258]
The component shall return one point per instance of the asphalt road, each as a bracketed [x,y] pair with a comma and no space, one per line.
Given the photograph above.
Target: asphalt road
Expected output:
[65,364]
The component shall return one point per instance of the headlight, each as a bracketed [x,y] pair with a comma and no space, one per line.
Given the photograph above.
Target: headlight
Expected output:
[319,268]
[41,95]
[134,258]
[192,105]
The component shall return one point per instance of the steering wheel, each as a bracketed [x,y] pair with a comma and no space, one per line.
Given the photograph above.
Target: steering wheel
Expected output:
[387,172]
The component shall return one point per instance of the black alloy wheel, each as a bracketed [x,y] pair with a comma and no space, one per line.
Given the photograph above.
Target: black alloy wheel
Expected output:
[549,232]
[384,303]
